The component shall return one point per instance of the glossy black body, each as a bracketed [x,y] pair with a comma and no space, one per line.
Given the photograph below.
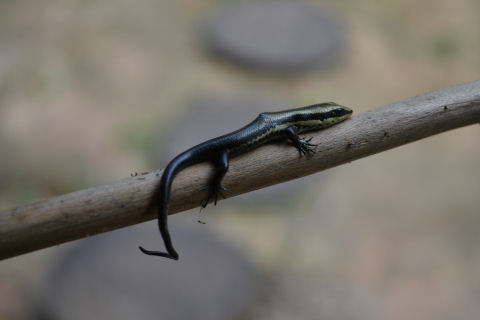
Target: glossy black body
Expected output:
[266,127]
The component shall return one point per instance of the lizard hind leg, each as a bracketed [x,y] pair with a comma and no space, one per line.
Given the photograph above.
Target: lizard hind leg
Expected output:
[216,188]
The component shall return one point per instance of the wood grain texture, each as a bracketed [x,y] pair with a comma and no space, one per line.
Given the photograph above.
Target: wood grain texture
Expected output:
[133,200]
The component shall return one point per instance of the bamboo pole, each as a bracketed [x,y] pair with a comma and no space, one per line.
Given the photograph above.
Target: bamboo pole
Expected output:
[133,200]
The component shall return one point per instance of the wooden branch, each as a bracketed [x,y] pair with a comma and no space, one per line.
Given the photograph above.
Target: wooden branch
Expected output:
[100,209]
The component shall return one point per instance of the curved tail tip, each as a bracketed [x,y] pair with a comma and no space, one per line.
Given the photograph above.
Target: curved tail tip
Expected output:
[173,255]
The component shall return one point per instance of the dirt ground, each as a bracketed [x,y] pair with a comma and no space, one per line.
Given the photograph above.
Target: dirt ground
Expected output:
[86,88]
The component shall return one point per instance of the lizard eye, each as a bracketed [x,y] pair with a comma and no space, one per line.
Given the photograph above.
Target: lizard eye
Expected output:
[334,113]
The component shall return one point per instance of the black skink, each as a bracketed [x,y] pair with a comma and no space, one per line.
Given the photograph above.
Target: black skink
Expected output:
[266,127]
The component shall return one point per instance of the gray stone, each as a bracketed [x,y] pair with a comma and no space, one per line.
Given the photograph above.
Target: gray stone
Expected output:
[107,277]
[275,36]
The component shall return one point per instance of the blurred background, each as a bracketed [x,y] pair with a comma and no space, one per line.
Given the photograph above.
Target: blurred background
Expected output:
[92,91]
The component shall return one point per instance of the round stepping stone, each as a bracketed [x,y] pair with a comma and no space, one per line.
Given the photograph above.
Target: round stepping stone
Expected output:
[107,277]
[275,36]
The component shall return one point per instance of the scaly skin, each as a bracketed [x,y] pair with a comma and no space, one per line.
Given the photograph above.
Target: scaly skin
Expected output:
[266,127]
